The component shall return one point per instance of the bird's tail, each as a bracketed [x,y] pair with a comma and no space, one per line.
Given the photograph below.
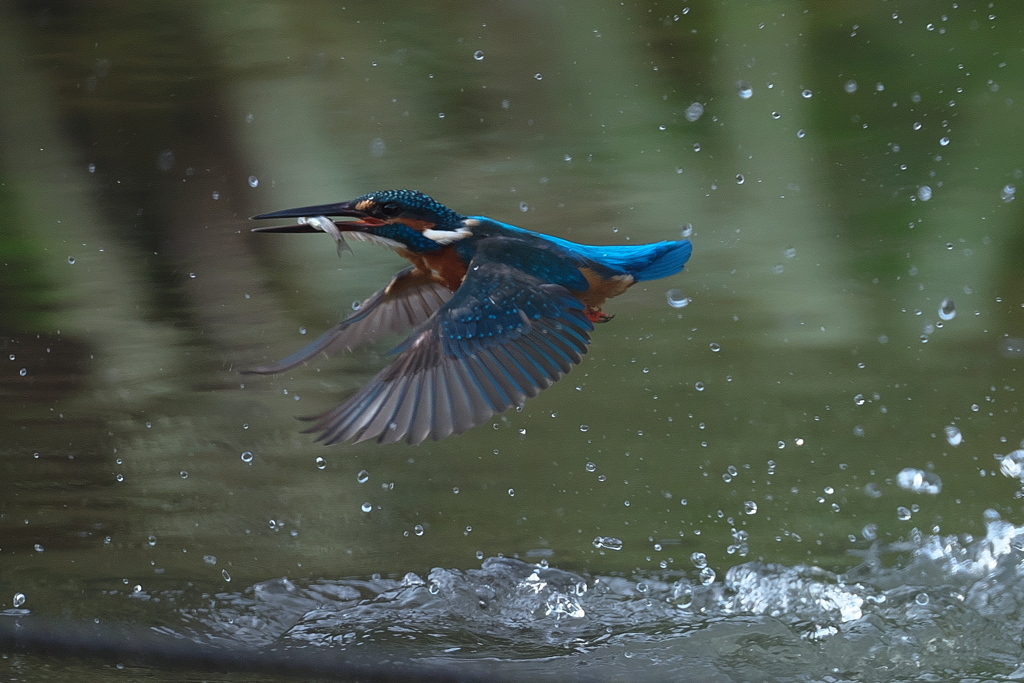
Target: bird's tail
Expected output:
[667,258]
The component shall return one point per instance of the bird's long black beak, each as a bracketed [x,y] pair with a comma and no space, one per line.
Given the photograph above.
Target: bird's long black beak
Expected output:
[345,209]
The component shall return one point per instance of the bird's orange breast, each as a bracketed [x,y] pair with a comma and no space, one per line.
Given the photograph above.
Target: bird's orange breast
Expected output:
[444,265]
[602,288]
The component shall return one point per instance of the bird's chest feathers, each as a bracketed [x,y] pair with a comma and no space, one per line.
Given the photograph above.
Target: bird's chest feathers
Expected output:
[444,265]
[602,288]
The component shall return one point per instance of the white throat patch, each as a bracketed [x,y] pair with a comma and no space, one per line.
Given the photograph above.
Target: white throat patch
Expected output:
[447,236]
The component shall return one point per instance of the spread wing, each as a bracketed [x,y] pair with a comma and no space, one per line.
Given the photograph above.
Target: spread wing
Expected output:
[507,332]
[409,299]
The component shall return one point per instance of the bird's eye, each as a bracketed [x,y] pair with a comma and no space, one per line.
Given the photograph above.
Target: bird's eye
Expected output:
[391,209]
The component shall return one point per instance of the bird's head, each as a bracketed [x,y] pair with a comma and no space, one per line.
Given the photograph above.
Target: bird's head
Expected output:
[401,219]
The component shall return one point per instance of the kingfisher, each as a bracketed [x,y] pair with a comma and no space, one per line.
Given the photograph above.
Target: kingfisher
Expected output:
[494,313]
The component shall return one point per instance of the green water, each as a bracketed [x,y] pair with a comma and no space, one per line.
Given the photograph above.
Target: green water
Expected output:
[867,175]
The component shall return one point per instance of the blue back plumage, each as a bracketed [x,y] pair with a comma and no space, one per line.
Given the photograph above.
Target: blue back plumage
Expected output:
[642,261]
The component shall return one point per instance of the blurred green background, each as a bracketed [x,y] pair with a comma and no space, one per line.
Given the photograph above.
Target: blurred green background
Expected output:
[846,168]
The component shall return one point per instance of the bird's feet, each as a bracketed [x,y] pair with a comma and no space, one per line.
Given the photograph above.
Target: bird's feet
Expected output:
[595,315]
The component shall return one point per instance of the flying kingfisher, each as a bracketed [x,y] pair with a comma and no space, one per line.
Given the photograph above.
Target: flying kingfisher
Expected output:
[495,313]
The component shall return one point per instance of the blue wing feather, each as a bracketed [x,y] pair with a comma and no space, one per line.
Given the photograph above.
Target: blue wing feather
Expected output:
[504,335]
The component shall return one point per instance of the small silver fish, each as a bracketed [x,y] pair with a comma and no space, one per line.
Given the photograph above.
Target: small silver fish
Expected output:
[325,224]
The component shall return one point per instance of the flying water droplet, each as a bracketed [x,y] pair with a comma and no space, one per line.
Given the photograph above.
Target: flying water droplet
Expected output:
[607,543]
[918,481]
[924,193]
[363,476]
[694,112]
[954,437]
[18,600]
[676,299]
[744,90]
[247,457]
[850,86]
[947,311]
[254,181]
[478,55]
[1008,192]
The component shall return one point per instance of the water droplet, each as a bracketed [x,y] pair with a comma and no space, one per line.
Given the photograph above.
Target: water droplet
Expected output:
[183,474]
[512,493]
[418,529]
[739,179]
[776,115]
[707,576]
[607,543]
[924,193]
[584,428]
[479,55]
[377,147]
[366,507]
[918,481]
[567,158]
[806,94]
[165,160]
[947,311]
[1008,192]
[363,476]
[71,260]
[953,435]
[750,507]
[694,112]
[903,514]
[859,400]
[18,600]
[538,77]
[699,386]
[524,207]
[23,372]
[591,467]
[686,230]
[119,477]
[440,115]
[215,195]
[943,141]
[676,299]
[224,575]
[744,90]
[92,168]
[151,540]
[320,462]
[801,133]
[247,456]
[699,560]
[917,125]
[715,347]
[850,86]
[39,548]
